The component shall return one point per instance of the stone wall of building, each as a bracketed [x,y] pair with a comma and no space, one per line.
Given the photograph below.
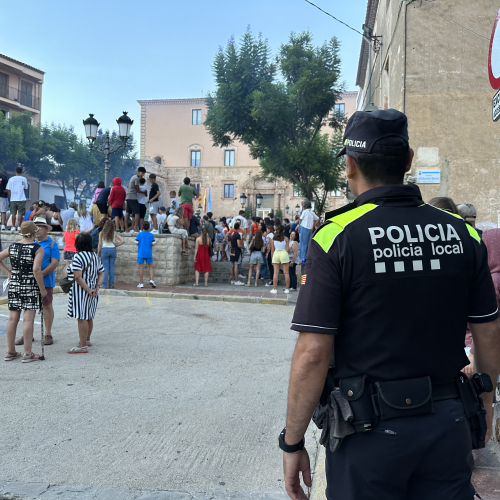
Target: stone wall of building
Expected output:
[170,267]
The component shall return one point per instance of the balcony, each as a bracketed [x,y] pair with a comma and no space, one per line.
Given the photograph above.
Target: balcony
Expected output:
[13,94]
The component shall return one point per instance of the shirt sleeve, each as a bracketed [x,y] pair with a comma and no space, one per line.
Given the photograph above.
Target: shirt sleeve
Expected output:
[483,303]
[56,254]
[320,297]
[76,264]
[9,185]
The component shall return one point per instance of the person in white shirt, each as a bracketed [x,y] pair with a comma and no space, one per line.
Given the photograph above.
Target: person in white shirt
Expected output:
[307,220]
[15,188]
[162,215]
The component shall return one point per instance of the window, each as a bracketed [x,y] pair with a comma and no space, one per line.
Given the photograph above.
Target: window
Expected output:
[296,191]
[157,159]
[5,113]
[228,190]
[26,97]
[229,158]
[195,158]
[60,202]
[27,192]
[196,116]
[336,193]
[339,109]
[4,85]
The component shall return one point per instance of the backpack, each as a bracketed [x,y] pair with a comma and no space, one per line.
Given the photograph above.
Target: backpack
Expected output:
[95,236]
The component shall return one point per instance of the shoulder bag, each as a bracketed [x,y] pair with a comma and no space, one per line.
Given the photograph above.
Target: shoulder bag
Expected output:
[66,283]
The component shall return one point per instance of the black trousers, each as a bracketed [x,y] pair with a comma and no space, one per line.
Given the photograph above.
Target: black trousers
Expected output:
[428,457]
[293,276]
[270,266]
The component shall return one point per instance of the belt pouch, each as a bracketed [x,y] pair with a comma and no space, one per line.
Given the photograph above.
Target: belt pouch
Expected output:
[358,391]
[474,411]
[404,398]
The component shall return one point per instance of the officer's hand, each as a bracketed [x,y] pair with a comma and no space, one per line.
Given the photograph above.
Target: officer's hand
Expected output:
[469,369]
[293,463]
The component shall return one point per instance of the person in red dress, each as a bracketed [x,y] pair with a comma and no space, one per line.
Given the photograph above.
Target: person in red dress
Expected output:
[202,262]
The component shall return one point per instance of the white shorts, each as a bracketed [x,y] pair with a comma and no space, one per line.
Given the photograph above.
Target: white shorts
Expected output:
[4,205]
[153,207]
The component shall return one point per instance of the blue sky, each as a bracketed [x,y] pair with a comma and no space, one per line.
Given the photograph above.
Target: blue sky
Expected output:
[101,57]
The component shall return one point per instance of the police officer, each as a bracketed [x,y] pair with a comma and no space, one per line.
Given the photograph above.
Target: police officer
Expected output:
[388,288]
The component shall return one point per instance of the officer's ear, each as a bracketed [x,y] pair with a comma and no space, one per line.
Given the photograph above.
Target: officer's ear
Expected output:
[410,160]
[351,167]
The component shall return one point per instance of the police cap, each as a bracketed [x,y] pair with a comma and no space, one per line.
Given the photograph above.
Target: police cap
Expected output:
[365,128]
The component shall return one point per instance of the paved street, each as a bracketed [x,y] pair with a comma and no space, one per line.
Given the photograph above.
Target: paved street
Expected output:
[174,396]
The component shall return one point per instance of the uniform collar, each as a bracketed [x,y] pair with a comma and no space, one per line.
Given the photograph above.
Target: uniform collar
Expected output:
[393,194]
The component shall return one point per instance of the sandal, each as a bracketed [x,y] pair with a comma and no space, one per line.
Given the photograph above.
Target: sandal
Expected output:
[28,357]
[11,355]
[20,341]
[196,284]
[78,350]
[88,343]
[48,340]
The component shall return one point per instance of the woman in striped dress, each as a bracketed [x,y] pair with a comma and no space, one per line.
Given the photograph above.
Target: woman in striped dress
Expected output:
[88,274]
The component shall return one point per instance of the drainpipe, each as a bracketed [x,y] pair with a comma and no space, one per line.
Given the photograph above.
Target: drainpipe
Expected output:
[367,36]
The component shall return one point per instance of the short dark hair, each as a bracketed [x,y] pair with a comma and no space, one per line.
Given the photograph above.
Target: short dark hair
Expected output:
[270,215]
[254,219]
[145,225]
[210,215]
[163,209]
[205,217]
[376,167]
[187,180]
[19,170]
[152,176]
[141,169]
[100,184]
[236,226]
[241,212]
[83,242]
[142,180]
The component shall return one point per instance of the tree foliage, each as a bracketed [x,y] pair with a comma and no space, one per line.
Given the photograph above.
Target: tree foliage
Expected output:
[279,107]
[55,153]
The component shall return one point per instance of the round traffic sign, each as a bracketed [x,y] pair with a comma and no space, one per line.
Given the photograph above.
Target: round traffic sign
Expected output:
[494,55]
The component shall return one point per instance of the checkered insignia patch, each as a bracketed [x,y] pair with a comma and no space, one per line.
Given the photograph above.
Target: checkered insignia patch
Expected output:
[303,280]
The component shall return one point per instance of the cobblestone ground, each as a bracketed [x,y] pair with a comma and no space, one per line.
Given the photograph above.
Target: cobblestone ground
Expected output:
[176,399]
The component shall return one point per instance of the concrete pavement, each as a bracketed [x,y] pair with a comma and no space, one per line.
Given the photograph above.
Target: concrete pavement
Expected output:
[185,398]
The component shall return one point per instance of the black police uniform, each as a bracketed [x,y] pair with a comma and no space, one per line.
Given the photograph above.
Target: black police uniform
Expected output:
[397,280]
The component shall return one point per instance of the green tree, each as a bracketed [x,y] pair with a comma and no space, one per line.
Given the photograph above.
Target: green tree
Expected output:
[279,109]
[11,143]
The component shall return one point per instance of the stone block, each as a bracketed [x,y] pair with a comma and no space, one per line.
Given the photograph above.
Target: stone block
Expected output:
[136,293]
[238,298]
[161,295]
[276,302]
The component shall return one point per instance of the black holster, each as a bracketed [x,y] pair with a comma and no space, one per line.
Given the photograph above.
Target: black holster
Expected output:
[474,410]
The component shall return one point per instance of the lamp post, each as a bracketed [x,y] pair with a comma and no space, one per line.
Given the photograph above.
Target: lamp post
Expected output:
[286,209]
[258,202]
[91,127]
[243,199]
[297,208]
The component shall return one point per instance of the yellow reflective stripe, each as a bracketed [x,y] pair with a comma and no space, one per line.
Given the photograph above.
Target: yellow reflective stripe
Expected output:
[327,234]
[473,233]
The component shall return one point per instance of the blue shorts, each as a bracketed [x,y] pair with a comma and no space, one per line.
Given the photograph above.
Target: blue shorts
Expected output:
[148,260]
[117,212]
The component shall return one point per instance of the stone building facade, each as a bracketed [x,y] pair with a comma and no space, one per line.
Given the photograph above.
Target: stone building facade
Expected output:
[434,69]
[20,88]
[174,144]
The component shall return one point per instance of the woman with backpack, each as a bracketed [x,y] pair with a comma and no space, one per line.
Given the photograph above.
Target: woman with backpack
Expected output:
[257,248]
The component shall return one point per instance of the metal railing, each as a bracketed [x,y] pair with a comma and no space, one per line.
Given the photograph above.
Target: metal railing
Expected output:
[17,95]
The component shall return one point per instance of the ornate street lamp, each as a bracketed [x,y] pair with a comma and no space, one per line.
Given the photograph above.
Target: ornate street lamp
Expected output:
[287,208]
[259,199]
[297,208]
[243,199]
[91,128]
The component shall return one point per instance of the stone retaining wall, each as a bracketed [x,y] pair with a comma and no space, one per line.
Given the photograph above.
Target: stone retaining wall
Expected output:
[170,267]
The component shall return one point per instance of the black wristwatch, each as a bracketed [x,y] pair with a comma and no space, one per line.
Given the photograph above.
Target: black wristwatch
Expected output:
[290,448]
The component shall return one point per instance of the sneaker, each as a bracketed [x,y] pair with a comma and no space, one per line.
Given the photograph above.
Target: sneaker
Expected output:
[239,283]
[274,291]
[2,227]
[233,282]
[13,228]
[132,231]
[241,276]
[269,283]
[140,285]
[152,283]
[287,290]
[154,231]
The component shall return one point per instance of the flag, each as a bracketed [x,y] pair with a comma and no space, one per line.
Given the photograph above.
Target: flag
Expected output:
[209,209]
[204,206]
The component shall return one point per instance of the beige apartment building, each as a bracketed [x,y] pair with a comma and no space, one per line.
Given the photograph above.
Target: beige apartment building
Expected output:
[20,88]
[434,69]
[174,144]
